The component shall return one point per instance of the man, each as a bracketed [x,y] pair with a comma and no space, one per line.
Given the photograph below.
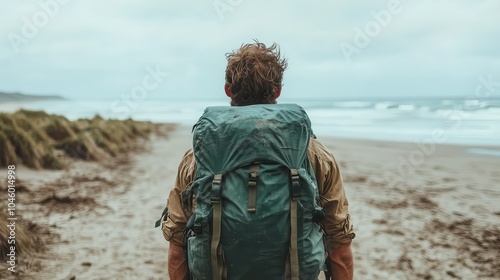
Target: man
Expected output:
[254,75]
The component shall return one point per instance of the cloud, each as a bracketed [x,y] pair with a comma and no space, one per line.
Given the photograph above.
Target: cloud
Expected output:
[95,49]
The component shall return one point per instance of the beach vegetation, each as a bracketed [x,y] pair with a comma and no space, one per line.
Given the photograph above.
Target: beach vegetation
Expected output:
[34,138]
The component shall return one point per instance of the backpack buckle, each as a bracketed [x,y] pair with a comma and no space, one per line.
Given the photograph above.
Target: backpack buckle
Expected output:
[295,192]
[253,175]
[216,189]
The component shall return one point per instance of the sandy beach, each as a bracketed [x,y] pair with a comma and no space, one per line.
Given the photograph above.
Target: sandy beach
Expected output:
[438,219]
[418,213]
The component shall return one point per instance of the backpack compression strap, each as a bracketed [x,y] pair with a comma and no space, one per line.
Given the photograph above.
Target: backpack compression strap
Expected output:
[219,272]
[295,197]
[252,185]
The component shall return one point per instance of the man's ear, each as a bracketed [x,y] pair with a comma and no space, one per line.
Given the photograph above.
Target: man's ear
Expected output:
[278,92]
[227,89]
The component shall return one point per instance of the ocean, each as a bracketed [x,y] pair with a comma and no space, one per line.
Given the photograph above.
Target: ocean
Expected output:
[448,121]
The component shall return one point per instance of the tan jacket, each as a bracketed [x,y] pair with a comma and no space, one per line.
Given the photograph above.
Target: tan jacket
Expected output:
[336,224]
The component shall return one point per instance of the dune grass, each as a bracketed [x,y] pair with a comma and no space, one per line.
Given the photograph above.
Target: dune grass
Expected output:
[33,137]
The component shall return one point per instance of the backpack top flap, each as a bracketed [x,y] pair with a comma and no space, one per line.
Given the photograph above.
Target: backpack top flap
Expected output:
[226,137]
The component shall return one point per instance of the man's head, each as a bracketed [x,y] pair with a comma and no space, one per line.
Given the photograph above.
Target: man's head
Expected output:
[254,74]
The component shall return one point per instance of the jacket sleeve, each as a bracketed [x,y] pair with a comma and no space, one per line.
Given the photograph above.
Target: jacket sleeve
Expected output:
[175,221]
[337,224]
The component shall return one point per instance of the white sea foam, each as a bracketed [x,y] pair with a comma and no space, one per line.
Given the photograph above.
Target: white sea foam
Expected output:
[466,122]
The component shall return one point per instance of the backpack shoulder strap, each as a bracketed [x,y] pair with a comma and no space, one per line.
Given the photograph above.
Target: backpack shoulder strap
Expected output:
[295,197]
[216,253]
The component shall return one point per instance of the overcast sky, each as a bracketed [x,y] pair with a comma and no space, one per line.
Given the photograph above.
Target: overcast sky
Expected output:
[340,49]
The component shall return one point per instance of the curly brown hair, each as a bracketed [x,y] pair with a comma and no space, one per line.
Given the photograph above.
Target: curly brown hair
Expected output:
[254,73]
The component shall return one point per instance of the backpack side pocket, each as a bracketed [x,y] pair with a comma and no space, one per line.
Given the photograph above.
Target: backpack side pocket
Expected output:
[198,251]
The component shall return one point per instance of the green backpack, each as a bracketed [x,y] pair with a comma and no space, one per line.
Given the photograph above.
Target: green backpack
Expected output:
[256,214]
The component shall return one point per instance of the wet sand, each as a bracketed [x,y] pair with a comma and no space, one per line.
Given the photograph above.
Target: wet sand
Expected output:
[432,214]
